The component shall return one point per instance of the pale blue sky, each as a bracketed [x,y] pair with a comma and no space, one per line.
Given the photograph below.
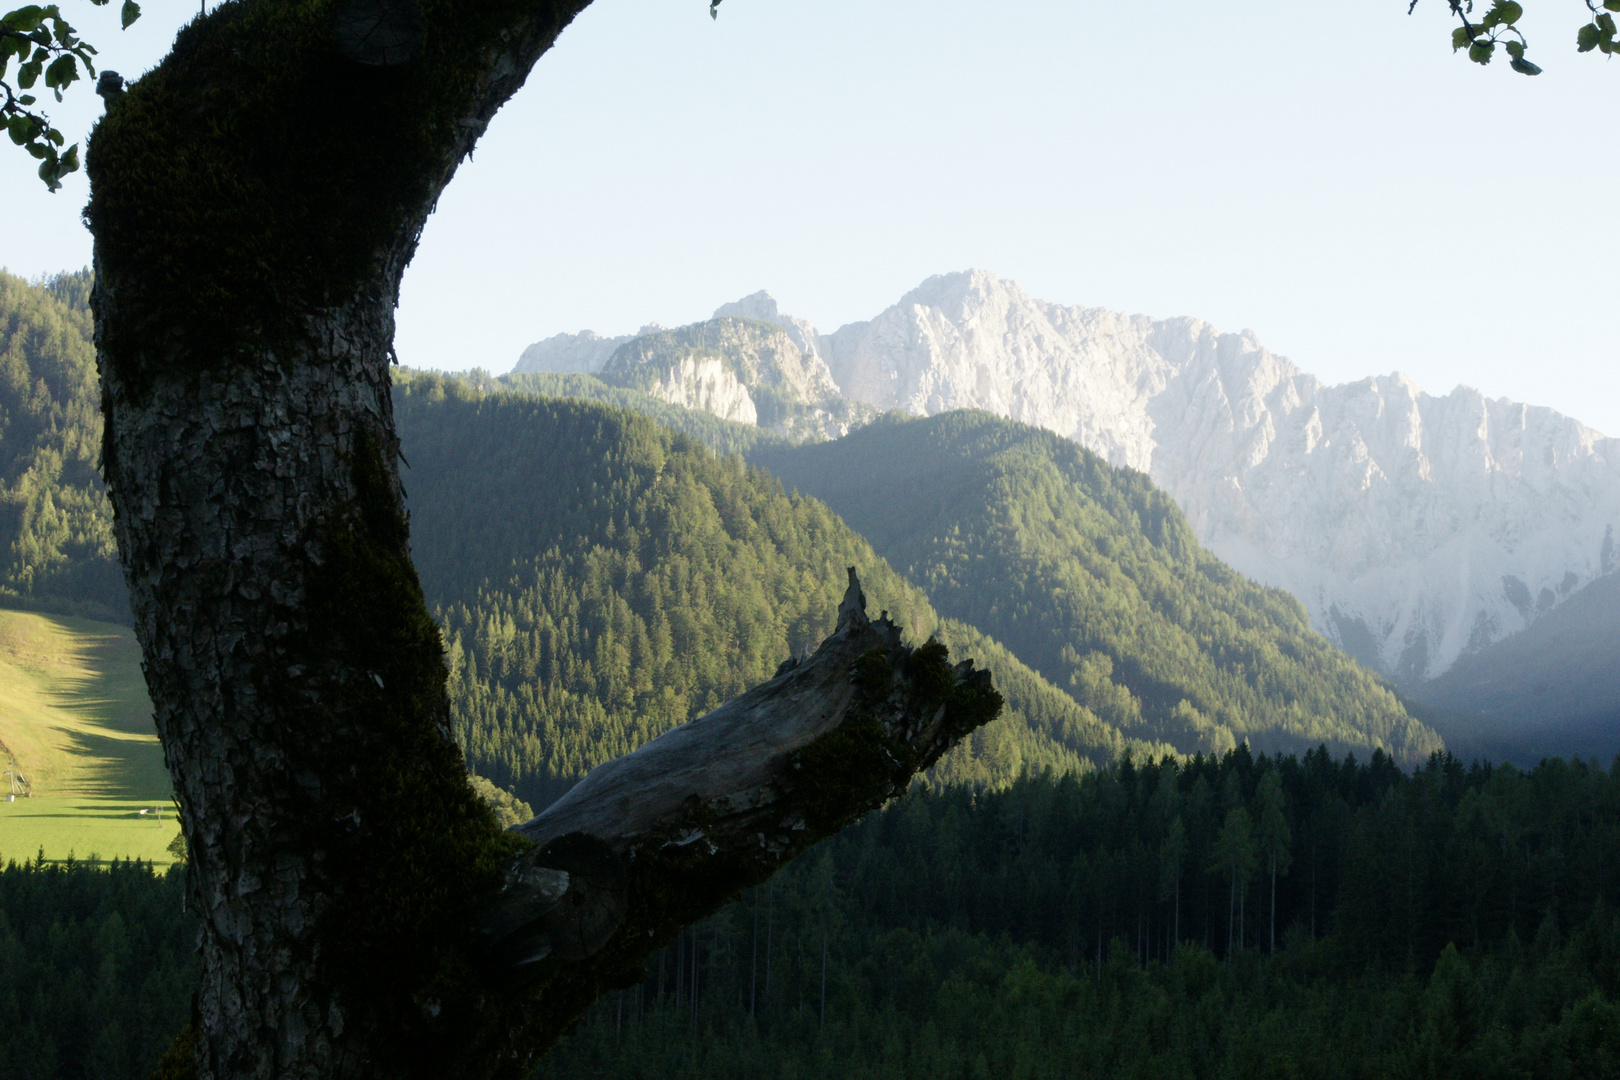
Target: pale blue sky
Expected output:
[1328,175]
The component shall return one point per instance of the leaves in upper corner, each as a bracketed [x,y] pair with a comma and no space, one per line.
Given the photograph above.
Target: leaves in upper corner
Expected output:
[1502,13]
[1499,25]
[1599,34]
[45,45]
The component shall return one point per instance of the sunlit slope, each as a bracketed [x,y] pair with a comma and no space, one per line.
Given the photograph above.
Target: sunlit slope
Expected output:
[75,720]
[1092,576]
[601,579]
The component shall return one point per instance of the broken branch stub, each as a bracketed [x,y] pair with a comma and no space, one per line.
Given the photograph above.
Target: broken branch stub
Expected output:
[661,837]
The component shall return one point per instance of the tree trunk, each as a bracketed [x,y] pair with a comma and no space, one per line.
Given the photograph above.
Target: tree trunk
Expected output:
[1231,913]
[255,200]
[1273,948]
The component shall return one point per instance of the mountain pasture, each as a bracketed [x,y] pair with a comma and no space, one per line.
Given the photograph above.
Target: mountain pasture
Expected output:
[76,722]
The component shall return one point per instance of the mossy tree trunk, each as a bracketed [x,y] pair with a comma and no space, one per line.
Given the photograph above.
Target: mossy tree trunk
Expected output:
[255,200]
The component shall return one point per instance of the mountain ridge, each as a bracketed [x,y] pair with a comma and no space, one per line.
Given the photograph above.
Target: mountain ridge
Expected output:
[1416,528]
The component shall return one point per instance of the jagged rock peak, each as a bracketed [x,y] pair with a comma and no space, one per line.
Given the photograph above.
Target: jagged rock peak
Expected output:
[763,307]
[1414,527]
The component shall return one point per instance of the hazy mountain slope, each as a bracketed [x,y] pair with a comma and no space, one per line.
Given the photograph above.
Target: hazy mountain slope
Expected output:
[1551,689]
[57,551]
[1414,527]
[1092,576]
[572,354]
[601,579]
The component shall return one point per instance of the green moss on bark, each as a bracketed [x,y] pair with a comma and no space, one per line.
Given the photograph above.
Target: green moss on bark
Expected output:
[258,177]
[410,851]
[858,764]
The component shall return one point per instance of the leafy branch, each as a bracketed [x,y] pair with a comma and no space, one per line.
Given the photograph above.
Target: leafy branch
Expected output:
[1599,33]
[1499,26]
[46,47]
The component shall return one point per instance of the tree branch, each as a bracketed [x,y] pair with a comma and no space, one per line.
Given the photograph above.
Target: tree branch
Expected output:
[661,837]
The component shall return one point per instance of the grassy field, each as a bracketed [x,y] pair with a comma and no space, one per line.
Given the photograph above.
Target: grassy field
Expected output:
[76,722]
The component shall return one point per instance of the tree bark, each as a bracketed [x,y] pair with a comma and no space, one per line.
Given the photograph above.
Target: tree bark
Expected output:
[255,200]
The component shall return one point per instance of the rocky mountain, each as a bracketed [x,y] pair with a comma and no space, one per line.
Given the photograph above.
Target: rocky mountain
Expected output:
[572,354]
[749,364]
[1416,528]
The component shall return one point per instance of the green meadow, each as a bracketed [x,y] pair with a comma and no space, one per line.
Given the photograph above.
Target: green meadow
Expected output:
[76,722]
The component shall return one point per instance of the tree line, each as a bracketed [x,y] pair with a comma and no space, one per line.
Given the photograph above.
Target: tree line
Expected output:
[96,968]
[1241,915]
[1222,917]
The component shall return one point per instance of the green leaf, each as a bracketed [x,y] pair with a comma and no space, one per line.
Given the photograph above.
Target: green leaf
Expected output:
[129,13]
[1503,13]
[70,160]
[1460,38]
[1588,38]
[48,172]
[1525,67]
[1605,23]
[28,74]
[1516,49]
[1480,52]
[1612,5]
[63,70]
[26,99]
[24,19]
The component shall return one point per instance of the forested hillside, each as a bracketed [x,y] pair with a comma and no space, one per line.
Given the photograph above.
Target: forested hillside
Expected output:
[56,545]
[601,579]
[1452,923]
[1455,922]
[97,968]
[1091,575]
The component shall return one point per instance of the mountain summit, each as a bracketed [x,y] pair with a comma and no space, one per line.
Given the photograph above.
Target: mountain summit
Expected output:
[1414,527]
